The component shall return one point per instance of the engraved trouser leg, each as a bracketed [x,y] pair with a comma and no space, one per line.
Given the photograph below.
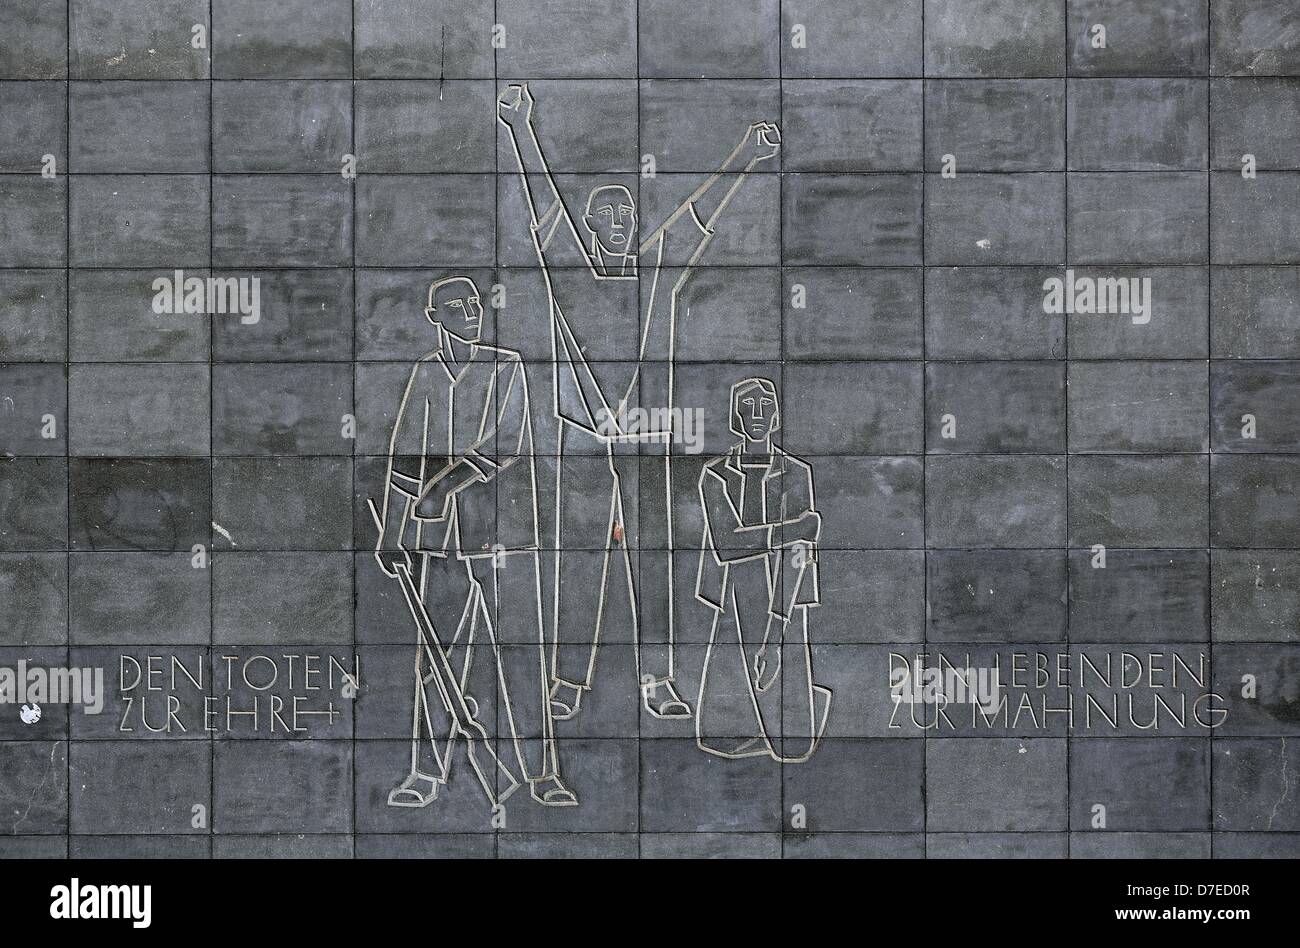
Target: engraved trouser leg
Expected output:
[447,596]
[646,500]
[584,577]
[729,720]
[511,591]
[803,705]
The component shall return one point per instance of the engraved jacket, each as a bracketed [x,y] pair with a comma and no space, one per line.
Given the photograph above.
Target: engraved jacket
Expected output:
[751,517]
[460,473]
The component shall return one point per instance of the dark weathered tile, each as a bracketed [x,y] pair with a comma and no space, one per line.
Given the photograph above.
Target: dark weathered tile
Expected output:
[1140,784]
[995,125]
[402,126]
[281,125]
[990,38]
[33,221]
[996,595]
[564,38]
[33,315]
[1133,219]
[1255,313]
[995,784]
[852,38]
[851,125]
[1157,39]
[142,126]
[992,219]
[1139,596]
[139,221]
[852,313]
[1254,502]
[117,598]
[35,419]
[1254,38]
[1255,596]
[34,499]
[679,38]
[424,221]
[995,501]
[138,410]
[35,41]
[1138,124]
[1138,407]
[1253,780]
[154,40]
[283,503]
[1254,221]
[995,408]
[155,504]
[268,409]
[296,39]
[33,598]
[1259,117]
[281,221]
[991,313]
[32,126]
[167,783]
[1150,502]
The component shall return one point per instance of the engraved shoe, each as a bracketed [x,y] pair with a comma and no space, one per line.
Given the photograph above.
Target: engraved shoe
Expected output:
[661,700]
[549,791]
[565,699]
[417,790]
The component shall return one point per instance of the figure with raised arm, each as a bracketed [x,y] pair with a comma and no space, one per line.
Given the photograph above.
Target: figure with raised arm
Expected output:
[603,278]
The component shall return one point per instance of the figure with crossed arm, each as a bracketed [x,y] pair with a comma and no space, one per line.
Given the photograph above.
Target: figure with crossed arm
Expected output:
[758,574]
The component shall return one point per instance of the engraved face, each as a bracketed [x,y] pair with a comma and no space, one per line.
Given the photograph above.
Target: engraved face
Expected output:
[755,413]
[611,216]
[454,304]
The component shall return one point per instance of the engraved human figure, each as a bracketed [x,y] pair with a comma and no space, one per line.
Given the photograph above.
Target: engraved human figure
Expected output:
[458,530]
[605,282]
[758,574]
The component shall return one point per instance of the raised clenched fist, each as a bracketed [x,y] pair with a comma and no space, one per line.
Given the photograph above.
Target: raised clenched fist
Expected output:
[763,140]
[515,104]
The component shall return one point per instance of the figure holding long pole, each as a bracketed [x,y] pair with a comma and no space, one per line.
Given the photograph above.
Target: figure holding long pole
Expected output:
[458,531]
